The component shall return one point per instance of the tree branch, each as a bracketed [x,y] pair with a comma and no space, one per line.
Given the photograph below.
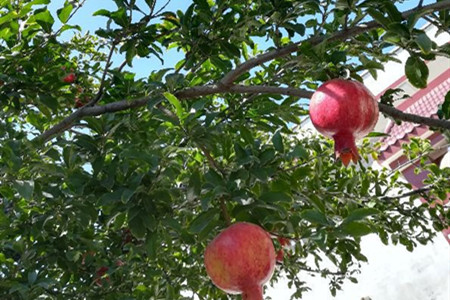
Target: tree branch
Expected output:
[105,72]
[399,115]
[230,77]
[200,91]
[324,271]
[225,85]
[225,214]
[410,193]
[436,24]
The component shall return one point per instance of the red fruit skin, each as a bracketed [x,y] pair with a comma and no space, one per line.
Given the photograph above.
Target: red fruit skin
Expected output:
[283,241]
[99,274]
[78,103]
[241,259]
[119,263]
[344,110]
[280,256]
[70,78]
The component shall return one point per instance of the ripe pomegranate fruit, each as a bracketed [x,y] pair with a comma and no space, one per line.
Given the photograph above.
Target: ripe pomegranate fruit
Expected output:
[344,110]
[241,259]
[70,78]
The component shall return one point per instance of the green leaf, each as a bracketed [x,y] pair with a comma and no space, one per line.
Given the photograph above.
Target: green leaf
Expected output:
[356,229]
[360,214]
[151,245]
[317,202]
[399,29]
[130,54]
[277,141]
[378,16]
[45,19]
[32,276]
[25,188]
[300,152]
[417,72]
[314,216]
[102,12]
[377,134]
[338,56]
[424,43]
[444,109]
[246,135]
[230,49]
[64,13]
[275,197]
[137,227]
[297,27]
[176,103]
[120,17]
[203,220]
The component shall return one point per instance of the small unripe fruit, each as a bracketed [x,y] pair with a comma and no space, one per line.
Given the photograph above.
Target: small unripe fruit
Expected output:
[119,263]
[280,256]
[241,259]
[100,274]
[78,103]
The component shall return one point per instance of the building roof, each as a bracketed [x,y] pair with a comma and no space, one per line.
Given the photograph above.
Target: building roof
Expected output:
[423,103]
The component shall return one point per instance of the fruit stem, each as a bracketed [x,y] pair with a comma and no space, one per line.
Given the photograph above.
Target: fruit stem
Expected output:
[253,293]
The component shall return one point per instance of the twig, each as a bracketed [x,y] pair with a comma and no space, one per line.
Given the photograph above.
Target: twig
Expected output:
[325,271]
[102,81]
[303,164]
[158,13]
[410,193]
[225,213]
[122,65]
[212,162]
[68,19]
[436,24]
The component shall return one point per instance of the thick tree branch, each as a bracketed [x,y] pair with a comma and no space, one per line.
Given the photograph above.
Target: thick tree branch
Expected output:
[242,89]
[229,78]
[399,115]
[200,91]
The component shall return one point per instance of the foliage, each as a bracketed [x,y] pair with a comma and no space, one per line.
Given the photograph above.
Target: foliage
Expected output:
[121,204]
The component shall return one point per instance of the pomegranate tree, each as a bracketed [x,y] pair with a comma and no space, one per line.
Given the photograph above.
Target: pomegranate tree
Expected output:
[344,110]
[240,260]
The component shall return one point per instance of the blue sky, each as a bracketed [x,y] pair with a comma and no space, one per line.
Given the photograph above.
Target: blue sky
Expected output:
[84,18]
[143,67]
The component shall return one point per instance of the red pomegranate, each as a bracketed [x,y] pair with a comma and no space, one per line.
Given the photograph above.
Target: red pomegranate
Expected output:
[344,110]
[284,243]
[280,256]
[70,78]
[240,260]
